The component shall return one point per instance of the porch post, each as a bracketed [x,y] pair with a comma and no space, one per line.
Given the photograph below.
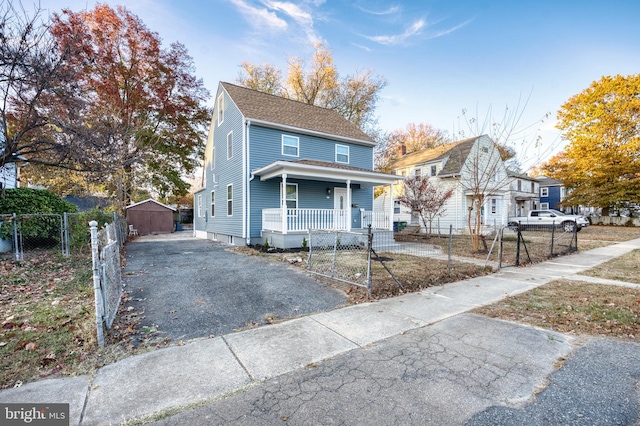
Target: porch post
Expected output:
[348,205]
[283,203]
[390,207]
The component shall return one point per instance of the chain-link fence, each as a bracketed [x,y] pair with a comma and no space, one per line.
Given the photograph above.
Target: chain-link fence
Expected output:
[24,236]
[107,274]
[341,255]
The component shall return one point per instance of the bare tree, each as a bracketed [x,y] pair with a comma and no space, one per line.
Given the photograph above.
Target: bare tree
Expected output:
[425,199]
[483,176]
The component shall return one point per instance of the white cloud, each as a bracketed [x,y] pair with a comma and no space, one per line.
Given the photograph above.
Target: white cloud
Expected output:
[259,17]
[450,30]
[300,17]
[390,11]
[413,30]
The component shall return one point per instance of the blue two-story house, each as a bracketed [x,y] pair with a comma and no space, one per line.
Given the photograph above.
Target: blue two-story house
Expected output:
[552,192]
[276,168]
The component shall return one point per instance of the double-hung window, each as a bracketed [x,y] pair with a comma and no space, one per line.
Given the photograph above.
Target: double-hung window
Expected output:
[417,172]
[230,200]
[213,203]
[290,145]
[434,170]
[220,108]
[342,154]
[229,145]
[544,192]
[200,214]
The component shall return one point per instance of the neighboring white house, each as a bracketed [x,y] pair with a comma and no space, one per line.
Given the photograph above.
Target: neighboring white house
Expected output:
[9,176]
[470,166]
[524,194]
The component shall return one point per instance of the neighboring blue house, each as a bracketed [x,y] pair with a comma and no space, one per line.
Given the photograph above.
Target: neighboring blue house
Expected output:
[275,168]
[552,192]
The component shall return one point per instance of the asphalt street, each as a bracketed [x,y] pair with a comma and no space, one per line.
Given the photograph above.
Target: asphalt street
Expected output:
[188,288]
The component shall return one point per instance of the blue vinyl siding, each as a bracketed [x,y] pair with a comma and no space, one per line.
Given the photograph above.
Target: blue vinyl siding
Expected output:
[553,198]
[266,147]
[227,171]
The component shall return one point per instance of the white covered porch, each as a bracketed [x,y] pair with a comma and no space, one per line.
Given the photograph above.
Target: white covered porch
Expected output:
[284,226]
[302,220]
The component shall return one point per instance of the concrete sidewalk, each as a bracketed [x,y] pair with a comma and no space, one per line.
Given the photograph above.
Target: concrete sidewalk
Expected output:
[174,377]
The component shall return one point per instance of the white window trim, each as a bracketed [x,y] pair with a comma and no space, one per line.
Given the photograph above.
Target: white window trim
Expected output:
[433,170]
[229,145]
[297,146]
[544,206]
[348,154]
[200,214]
[220,109]
[494,206]
[230,199]
[417,172]
[544,192]
[213,203]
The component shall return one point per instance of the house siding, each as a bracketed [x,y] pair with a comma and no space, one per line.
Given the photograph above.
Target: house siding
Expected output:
[8,176]
[225,171]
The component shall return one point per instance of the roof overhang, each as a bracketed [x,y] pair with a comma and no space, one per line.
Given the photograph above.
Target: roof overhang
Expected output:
[325,173]
[261,123]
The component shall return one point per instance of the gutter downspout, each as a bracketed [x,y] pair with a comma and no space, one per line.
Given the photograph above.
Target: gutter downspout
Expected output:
[248,183]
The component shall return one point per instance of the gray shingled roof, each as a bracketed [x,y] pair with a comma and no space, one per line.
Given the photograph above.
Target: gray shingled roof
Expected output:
[456,152]
[274,109]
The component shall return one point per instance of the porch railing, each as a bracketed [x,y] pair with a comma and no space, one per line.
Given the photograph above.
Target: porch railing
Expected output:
[305,219]
[377,220]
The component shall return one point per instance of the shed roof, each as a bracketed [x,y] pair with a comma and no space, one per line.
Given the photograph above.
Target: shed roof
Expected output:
[150,200]
[274,110]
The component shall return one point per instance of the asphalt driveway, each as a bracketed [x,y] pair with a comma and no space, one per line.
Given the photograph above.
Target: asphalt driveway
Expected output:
[187,288]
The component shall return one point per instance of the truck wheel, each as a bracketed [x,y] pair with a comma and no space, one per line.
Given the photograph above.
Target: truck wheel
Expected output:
[568,226]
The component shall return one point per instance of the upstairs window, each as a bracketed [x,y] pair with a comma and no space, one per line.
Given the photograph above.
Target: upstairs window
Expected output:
[519,185]
[533,187]
[417,172]
[220,109]
[544,192]
[290,145]
[213,203]
[434,170]
[342,154]
[229,145]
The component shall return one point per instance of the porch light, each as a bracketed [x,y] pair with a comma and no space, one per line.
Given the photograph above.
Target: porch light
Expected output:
[328,191]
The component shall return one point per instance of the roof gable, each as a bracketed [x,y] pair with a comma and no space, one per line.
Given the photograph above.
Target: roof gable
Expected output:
[454,153]
[149,200]
[275,110]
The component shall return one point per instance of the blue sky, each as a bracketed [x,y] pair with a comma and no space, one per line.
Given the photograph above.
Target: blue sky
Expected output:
[439,57]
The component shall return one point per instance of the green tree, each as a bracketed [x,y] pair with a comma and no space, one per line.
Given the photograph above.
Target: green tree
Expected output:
[601,164]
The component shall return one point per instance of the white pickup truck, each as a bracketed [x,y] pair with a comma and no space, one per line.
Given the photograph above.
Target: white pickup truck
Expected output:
[549,218]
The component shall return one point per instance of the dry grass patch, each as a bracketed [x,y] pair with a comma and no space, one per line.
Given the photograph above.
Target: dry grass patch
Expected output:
[48,321]
[574,307]
[601,236]
[624,268]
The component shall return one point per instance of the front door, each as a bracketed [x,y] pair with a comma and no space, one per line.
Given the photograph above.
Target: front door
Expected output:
[340,207]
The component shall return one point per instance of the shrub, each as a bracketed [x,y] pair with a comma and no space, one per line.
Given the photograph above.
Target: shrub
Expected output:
[79,232]
[23,201]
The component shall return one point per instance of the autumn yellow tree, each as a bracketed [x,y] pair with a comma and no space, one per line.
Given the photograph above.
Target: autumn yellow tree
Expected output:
[318,82]
[601,164]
